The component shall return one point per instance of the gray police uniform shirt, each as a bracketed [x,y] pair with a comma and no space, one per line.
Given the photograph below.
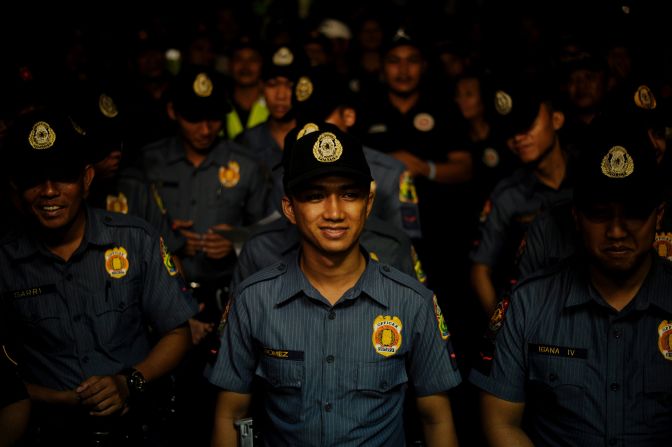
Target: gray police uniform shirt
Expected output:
[513,205]
[227,188]
[274,241]
[334,375]
[588,375]
[67,321]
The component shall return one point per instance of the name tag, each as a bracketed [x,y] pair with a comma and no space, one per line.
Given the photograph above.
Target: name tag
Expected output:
[31,292]
[283,354]
[558,351]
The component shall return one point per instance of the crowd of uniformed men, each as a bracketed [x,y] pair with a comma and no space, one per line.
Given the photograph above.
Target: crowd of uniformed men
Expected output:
[357,160]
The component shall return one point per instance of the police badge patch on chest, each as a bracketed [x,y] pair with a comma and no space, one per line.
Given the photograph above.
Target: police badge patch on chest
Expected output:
[229,176]
[116,262]
[665,339]
[386,336]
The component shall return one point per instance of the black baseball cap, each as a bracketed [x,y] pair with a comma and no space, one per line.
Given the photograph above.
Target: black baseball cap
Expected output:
[199,94]
[617,164]
[319,92]
[517,104]
[320,149]
[402,36]
[284,61]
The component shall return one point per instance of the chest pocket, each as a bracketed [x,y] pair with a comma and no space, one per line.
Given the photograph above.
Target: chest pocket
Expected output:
[557,384]
[118,316]
[283,381]
[658,396]
[39,322]
[378,379]
[229,203]
[169,191]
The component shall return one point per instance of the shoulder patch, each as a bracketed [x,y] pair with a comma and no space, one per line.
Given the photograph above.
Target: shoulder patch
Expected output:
[265,274]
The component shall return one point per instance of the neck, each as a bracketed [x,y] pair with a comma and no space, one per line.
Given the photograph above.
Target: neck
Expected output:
[403,103]
[246,95]
[279,130]
[619,289]
[194,156]
[332,275]
[63,242]
[552,167]
[479,129]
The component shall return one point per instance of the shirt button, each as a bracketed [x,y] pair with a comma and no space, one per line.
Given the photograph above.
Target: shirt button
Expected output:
[332,314]
[617,334]
[612,441]
[327,407]
[330,359]
[384,384]
[552,377]
[614,387]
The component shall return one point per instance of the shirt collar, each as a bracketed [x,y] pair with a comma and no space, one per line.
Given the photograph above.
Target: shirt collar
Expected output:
[295,282]
[219,154]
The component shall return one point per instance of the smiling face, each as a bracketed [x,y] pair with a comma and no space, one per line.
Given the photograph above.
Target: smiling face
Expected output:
[54,202]
[330,213]
[617,238]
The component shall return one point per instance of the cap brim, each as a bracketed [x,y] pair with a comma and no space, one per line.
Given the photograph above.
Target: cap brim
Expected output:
[326,171]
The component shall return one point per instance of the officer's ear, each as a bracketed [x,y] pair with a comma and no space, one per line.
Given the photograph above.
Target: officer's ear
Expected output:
[660,211]
[170,109]
[372,197]
[349,116]
[89,173]
[558,119]
[288,209]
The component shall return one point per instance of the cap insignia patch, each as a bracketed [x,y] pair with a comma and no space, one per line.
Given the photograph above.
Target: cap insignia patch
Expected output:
[665,339]
[617,163]
[490,157]
[283,57]
[424,122]
[116,262]
[503,102]
[107,106]
[117,204]
[401,34]
[304,88]
[202,85]
[386,337]
[308,128]
[42,136]
[327,148]
[644,98]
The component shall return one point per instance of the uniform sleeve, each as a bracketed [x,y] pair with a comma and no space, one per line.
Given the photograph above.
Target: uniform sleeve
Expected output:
[163,300]
[532,252]
[493,234]
[432,364]
[236,360]
[508,374]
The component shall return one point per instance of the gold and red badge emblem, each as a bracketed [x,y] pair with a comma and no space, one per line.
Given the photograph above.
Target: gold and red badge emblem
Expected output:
[443,327]
[117,204]
[663,245]
[417,266]
[424,122]
[386,336]
[407,192]
[665,339]
[497,318]
[116,262]
[229,175]
[374,257]
[167,258]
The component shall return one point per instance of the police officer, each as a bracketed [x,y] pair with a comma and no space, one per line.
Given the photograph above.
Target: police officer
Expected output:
[91,309]
[288,323]
[530,120]
[584,348]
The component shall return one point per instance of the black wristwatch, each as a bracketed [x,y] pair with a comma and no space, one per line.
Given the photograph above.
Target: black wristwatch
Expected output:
[135,380]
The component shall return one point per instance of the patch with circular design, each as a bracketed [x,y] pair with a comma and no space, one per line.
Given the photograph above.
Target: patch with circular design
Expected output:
[107,106]
[283,57]
[617,163]
[386,337]
[41,136]
[308,128]
[304,88]
[490,157]
[424,122]
[116,262]
[202,85]
[229,175]
[327,148]
[117,204]
[663,245]
[503,102]
[644,98]
[665,339]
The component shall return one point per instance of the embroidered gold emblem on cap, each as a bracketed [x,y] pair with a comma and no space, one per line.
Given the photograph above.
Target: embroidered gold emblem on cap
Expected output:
[503,102]
[308,128]
[42,136]
[283,57]
[386,337]
[401,34]
[327,148]
[644,98]
[202,85]
[107,106]
[117,204]
[304,88]
[617,163]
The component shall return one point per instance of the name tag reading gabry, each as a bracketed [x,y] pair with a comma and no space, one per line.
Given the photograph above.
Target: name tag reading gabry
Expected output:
[558,351]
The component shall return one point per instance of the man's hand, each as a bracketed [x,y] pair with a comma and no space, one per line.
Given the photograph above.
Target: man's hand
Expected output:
[216,246]
[415,165]
[104,395]
[199,330]
[194,241]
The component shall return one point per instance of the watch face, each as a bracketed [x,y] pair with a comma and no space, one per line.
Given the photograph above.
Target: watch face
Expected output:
[136,381]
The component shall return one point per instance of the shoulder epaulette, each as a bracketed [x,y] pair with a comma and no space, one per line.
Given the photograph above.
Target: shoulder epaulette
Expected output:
[265,274]
[124,220]
[404,280]
[545,272]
